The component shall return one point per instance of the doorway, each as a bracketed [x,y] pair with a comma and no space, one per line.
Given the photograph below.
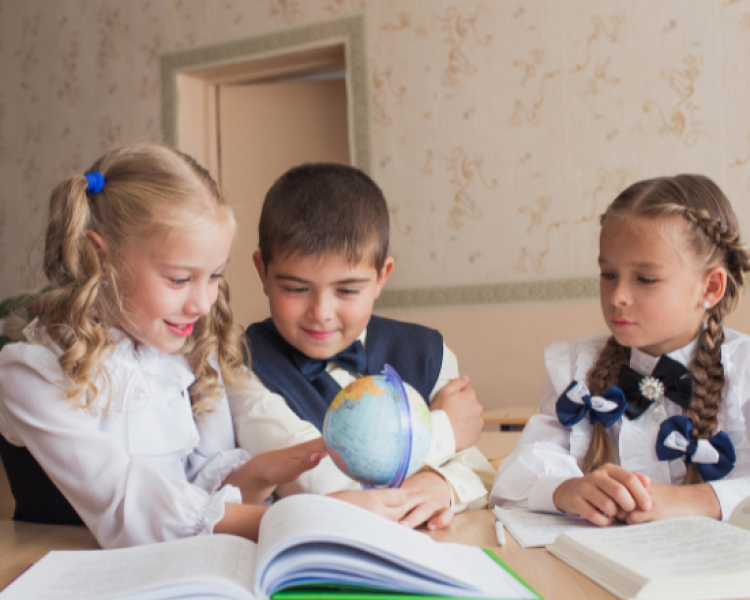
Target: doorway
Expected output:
[249,109]
[249,122]
[264,129]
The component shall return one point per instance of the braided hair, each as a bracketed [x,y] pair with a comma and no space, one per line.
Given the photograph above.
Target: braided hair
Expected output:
[714,239]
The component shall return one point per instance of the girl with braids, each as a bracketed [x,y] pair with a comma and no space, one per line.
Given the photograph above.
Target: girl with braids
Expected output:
[652,422]
[113,409]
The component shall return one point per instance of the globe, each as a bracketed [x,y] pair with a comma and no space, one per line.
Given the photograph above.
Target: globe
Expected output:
[378,429]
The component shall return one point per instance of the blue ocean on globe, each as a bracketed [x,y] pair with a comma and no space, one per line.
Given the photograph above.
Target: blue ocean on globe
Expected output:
[363,434]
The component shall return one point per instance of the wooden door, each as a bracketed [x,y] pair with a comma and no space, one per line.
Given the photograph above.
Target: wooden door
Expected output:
[264,129]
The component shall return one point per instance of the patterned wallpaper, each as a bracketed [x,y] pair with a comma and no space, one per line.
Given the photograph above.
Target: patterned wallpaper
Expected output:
[500,129]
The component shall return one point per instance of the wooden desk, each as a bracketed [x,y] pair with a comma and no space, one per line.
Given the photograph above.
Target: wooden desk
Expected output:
[24,543]
[7,503]
[510,418]
[549,576]
[497,444]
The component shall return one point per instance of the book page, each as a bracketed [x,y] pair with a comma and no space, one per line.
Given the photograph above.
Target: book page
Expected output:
[740,516]
[319,519]
[687,546]
[93,574]
[536,530]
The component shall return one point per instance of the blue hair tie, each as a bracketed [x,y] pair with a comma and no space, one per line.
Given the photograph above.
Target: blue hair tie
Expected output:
[96,182]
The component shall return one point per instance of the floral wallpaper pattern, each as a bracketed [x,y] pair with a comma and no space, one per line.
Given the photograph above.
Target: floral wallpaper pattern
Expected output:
[500,129]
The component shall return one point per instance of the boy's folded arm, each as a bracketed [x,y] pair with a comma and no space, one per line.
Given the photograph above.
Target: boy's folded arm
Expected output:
[469,476]
[456,413]
[448,371]
[443,444]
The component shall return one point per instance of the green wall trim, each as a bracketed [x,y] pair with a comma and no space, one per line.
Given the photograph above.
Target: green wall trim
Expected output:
[350,30]
[518,292]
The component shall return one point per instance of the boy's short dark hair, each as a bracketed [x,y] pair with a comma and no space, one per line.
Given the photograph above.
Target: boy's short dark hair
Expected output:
[320,208]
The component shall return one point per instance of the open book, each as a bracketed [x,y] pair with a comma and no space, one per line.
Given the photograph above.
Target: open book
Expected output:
[537,530]
[309,546]
[687,558]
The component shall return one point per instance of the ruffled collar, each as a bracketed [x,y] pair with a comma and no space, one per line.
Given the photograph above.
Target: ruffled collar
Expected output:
[128,350]
[644,363]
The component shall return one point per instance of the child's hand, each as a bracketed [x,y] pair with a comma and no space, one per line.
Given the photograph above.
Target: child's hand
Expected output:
[435,509]
[259,476]
[607,493]
[393,504]
[459,401]
[670,500]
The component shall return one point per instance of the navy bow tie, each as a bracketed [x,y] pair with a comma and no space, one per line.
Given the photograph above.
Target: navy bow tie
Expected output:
[668,379]
[353,358]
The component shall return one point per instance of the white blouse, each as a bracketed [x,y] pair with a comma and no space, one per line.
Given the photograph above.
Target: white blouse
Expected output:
[136,466]
[547,453]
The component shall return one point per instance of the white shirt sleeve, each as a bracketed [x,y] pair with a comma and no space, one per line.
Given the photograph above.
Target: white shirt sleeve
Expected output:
[264,422]
[443,445]
[539,463]
[468,473]
[217,455]
[125,500]
[734,419]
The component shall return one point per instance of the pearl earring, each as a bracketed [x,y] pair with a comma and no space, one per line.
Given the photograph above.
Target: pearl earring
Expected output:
[706,304]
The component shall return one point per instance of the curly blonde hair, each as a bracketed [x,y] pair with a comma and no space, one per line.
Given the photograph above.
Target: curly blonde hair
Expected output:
[150,191]
[713,238]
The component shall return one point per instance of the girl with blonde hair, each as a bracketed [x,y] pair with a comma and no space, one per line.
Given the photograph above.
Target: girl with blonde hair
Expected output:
[663,401]
[113,408]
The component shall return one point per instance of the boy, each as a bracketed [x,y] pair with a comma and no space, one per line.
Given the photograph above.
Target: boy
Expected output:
[323,259]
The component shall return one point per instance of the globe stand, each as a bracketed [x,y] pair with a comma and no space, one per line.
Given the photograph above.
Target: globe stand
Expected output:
[405,429]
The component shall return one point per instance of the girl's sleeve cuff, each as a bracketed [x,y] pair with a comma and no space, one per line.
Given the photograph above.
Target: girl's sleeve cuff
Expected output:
[541,496]
[213,474]
[214,510]
[730,493]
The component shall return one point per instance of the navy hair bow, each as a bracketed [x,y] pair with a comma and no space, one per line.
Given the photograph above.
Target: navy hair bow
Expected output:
[668,379]
[576,401]
[714,457]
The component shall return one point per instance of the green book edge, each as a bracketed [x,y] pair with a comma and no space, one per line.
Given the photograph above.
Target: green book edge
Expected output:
[325,591]
[504,565]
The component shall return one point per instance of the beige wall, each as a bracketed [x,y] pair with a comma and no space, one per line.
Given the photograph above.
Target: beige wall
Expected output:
[500,349]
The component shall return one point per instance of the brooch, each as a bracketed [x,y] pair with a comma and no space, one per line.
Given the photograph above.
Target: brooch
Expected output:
[651,388]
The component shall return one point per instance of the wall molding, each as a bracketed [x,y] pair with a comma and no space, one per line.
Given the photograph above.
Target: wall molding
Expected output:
[517,292]
[349,29]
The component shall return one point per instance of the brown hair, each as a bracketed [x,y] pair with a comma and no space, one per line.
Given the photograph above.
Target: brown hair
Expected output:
[149,192]
[319,208]
[713,238]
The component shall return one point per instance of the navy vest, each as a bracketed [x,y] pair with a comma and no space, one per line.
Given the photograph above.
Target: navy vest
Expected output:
[37,498]
[415,352]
